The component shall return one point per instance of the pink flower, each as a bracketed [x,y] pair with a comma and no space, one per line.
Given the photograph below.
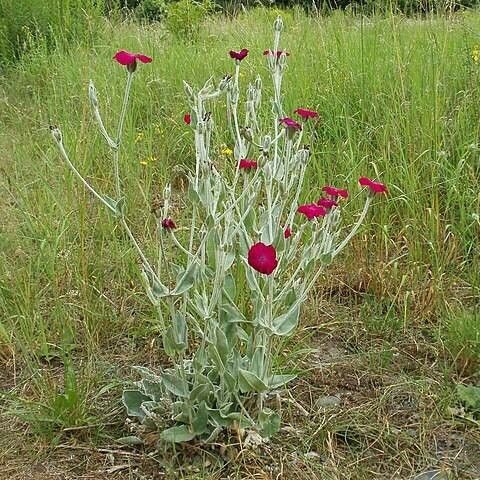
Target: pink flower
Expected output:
[311,210]
[187,118]
[290,124]
[335,192]
[130,59]
[327,203]
[239,56]
[277,54]
[168,224]
[263,258]
[287,233]
[375,187]
[305,113]
[246,164]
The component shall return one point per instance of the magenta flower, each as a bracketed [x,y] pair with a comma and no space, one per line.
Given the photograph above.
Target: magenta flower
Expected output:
[290,124]
[168,224]
[187,118]
[129,59]
[335,192]
[278,53]
[287,233]
[375,187]
[263,258]
[246,164]
[305,113]
[311,210]
[327,203]
[239,56]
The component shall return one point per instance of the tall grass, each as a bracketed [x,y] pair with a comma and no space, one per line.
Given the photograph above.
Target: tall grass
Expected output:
[28,24]
[398,100]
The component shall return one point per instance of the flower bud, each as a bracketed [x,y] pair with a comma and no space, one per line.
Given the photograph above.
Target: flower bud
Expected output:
[224,82]
[282,61]
[267,141]
[251,93]
[258,83]
[167,192]
[92,94]
[303,154]
[278,24]
[247,133]
[56,133]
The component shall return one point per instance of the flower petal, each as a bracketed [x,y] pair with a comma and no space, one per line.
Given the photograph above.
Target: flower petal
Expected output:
[124,58]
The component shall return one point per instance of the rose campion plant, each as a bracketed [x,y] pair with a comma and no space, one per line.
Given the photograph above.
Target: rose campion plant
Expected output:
[239,277]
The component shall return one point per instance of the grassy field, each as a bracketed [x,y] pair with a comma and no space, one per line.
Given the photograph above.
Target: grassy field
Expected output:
[392,329]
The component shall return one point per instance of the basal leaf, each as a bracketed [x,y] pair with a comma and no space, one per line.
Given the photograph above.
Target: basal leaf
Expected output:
[176,385]
[177,434]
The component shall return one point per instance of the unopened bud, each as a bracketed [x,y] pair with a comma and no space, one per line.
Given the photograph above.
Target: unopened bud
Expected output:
[224,82]
[56,133]
[267,141]
[251,93]
[258,83]
[167,192]
[282,60]
[278,24]
[92,94]
[303,154]
[247,133]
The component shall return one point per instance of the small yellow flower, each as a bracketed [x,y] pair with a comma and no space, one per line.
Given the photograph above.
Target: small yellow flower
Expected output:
[475,54]
[140,136]
[144,163]
[228,152]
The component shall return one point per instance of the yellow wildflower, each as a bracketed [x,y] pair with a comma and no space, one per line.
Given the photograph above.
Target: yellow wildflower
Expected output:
[139,137]
[475,54]
[144,163]
[228,152]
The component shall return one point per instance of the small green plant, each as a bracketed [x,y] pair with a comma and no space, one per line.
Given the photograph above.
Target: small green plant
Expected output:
[57,408]
[185,17]
[461,336]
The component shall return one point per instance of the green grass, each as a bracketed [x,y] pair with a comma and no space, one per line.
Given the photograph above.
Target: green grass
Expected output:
[398,100]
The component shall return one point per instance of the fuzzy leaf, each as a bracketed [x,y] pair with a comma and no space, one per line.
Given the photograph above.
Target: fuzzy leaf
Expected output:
[200,419]
[222,344]
[175,385]
[257,363]
[470,396]
[133,399]
[284,324]
[249,382]
[200,392]
[187,280]
[228,260]
[229,287]
[156,288]
[177,434]
[269,422]
[130,440]
[232,313]
[277,381]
